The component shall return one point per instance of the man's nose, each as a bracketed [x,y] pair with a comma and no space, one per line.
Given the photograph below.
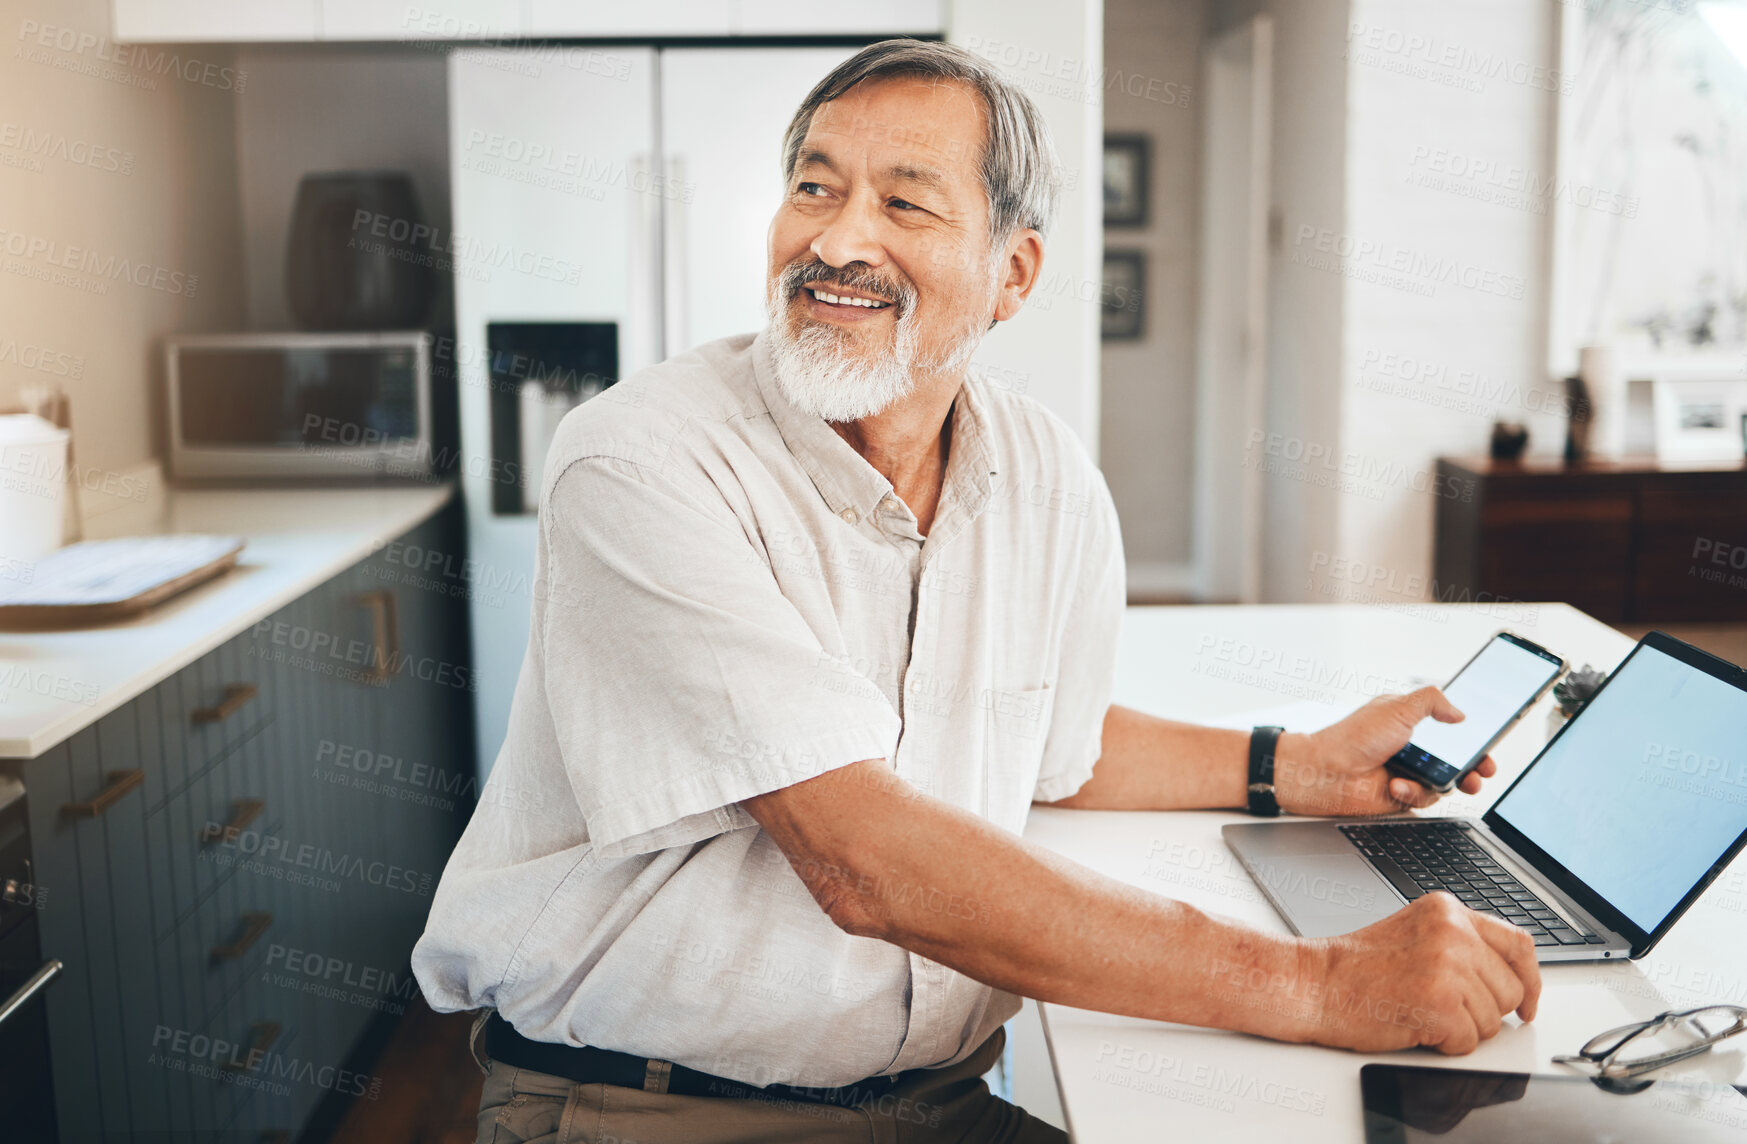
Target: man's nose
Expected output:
[852,235]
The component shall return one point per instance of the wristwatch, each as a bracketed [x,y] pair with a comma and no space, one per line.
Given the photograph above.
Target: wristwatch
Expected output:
[1263,804]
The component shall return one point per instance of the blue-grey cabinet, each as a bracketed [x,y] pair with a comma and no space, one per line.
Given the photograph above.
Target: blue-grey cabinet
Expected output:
[240,859]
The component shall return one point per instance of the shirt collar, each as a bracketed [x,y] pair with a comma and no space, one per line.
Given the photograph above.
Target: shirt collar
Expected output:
[843,476]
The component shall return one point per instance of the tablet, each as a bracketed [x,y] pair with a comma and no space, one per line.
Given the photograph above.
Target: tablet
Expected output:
[1412,1105]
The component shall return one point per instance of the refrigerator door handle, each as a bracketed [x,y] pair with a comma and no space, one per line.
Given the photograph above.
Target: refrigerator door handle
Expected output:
[645,270]
[675,317]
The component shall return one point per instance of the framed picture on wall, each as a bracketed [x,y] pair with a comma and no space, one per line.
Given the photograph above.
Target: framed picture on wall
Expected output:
[1701,419]
[1127,161]
[1121,296]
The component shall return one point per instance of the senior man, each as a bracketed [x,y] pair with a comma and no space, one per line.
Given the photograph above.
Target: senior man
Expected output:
[823,614]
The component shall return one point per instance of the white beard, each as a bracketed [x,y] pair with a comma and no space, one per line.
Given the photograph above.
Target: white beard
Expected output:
[818,374]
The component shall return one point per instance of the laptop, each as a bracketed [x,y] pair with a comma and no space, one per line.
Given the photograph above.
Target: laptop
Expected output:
[1597,849]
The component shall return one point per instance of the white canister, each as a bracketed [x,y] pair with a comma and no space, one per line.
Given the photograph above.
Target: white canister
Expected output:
[33,485]
[1607,400]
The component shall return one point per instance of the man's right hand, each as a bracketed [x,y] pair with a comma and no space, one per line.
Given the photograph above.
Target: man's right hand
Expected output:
[1435,973]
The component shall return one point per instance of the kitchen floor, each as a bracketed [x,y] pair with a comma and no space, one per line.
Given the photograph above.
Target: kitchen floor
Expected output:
[430,1085]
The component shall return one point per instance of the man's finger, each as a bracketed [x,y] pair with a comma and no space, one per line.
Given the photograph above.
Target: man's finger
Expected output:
[1486,768]
[1432,701]
[1508,990]
[1518,951]
[1411,794]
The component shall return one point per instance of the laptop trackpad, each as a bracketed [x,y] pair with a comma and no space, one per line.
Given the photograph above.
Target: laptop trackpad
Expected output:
[1328,894]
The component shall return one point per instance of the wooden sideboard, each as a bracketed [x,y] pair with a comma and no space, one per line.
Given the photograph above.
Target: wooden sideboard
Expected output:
[1628,540]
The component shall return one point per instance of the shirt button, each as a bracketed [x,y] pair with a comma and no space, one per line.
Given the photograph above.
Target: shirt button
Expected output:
[850,515]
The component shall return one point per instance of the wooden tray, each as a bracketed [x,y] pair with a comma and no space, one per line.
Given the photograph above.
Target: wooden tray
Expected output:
[47,617]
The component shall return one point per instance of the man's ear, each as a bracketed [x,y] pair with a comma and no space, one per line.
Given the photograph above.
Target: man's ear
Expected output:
[1021,265]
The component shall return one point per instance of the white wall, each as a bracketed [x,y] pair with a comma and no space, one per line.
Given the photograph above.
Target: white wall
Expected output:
[1305,305]
[1151,62]
[327,108]
[1054,50]
[1408,300]
[1459,305]
[117,175]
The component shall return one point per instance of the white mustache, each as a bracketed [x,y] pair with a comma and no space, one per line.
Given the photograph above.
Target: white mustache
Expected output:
[814,272]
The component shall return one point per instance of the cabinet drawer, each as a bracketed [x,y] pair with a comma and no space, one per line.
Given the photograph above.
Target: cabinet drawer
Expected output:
[202,713]
[215,828]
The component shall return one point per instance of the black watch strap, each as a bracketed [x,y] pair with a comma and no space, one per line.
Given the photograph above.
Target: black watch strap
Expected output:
[1263,740]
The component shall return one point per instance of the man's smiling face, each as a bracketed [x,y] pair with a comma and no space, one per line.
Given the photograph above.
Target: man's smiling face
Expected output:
[881,264]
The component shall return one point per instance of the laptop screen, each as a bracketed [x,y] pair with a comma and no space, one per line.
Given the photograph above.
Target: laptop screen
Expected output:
[1645,790]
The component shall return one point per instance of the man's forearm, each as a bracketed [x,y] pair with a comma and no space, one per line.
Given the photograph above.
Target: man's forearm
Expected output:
[1148,763]
[945,884]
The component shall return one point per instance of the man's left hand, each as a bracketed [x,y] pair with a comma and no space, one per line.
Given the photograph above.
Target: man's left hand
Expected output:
[1339,769]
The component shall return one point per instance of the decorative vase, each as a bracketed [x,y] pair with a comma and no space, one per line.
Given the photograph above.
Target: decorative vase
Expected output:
[356,258]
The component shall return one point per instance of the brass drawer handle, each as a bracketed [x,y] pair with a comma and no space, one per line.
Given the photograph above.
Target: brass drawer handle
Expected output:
[235,695]
[262,1034]
[385,635]
[254,925]
[245,812]
[120,782]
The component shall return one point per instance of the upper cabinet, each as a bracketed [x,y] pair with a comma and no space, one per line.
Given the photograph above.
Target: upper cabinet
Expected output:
[248,21]
[419,19]
[205,21]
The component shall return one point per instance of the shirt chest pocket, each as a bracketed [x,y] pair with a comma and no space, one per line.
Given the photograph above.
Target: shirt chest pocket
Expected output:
[1015,727]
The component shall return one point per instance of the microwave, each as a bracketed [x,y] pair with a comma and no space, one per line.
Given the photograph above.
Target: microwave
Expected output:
[290,406]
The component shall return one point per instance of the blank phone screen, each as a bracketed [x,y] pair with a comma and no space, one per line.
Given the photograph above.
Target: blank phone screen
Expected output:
[1489,691]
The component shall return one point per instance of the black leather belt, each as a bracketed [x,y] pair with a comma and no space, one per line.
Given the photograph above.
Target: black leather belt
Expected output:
[587,1065]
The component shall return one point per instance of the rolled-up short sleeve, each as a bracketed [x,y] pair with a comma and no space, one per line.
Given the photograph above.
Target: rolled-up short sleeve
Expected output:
[1086,673]
[679,677]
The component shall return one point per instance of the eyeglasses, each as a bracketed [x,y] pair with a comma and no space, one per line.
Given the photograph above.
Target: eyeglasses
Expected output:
[1685,1033]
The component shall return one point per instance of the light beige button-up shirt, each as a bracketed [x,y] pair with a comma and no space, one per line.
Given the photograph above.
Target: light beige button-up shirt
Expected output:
[729,600]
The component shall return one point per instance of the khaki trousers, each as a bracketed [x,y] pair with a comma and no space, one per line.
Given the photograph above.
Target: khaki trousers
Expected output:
[928,1106]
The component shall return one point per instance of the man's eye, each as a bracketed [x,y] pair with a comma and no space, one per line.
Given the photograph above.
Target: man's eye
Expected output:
[902,205]
[810,189]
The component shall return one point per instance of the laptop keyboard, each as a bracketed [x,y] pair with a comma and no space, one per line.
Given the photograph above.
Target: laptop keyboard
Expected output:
[1427,855]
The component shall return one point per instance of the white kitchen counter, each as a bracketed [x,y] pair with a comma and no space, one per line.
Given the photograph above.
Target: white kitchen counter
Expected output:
[1123,1079]
[53,684]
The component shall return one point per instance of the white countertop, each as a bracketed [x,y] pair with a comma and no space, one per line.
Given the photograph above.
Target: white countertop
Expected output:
[1301,666]
[53,684]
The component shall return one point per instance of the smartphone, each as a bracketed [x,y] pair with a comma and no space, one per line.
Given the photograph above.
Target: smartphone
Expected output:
[1494,690]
